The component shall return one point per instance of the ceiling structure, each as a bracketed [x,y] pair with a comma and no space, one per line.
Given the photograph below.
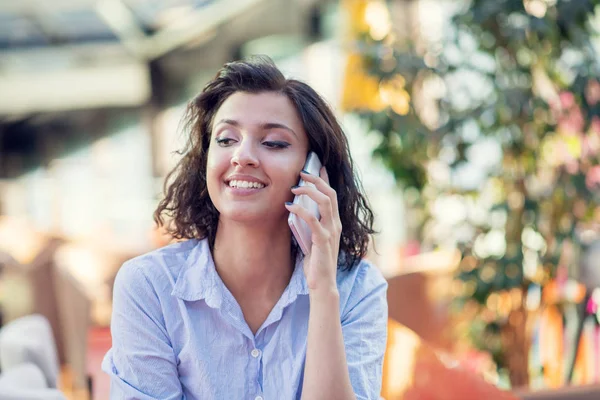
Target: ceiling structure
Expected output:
[72,54]
[30,23]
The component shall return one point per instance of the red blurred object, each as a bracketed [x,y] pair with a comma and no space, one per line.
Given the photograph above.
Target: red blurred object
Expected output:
[99,342]
[414,370]
[435,380]
[411,248]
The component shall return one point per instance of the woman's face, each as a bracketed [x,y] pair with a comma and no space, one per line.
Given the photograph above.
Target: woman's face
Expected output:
[257,149]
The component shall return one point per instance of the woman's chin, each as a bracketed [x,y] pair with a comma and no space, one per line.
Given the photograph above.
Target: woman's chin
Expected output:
[249,216]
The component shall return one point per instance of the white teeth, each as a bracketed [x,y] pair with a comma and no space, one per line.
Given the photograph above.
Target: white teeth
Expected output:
[245,184]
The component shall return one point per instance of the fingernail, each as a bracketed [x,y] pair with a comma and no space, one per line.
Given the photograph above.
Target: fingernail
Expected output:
[288,203]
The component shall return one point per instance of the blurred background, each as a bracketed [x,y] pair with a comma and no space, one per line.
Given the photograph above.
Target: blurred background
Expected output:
[474,126]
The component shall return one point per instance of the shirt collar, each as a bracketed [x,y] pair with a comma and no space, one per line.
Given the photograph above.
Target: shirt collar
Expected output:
[297,285]
[198,279]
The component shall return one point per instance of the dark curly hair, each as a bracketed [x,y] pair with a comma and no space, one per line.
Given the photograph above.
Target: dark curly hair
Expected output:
[187,206]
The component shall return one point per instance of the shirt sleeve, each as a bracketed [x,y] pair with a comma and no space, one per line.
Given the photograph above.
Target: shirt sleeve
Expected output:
[141,363]
[364,326]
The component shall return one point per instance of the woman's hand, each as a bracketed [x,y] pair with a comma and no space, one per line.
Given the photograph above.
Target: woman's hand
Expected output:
[320,266]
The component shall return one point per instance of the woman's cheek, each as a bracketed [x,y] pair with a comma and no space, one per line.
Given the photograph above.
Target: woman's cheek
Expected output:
[213,162]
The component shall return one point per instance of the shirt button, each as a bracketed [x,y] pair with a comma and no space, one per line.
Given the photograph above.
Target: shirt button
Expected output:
[255,353]
[258,398]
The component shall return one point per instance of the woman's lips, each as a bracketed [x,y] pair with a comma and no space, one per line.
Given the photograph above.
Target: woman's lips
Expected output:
[243,191]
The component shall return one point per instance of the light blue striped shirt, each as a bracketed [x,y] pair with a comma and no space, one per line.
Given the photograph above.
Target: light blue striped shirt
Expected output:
[178,333]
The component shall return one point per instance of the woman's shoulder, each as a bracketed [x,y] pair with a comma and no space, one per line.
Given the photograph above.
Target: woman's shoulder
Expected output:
[360,280]
[159,266]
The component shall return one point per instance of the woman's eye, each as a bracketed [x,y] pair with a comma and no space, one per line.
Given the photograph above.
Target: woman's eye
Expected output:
[224,141]
[276,145]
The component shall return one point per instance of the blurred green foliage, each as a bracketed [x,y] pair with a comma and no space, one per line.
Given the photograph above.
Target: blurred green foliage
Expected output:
[522,75]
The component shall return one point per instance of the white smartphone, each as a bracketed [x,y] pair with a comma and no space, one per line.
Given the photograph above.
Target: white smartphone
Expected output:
[299,227]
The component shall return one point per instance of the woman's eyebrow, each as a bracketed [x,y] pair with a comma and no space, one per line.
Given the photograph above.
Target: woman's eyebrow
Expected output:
[276,125]
[228,122]
[263,126]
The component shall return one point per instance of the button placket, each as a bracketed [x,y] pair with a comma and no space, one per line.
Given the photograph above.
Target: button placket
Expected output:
[256,367]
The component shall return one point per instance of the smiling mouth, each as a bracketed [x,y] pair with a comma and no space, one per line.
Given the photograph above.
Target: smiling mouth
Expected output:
[239,184]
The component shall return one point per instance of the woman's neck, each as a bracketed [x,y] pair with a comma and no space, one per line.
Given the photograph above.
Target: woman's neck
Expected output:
[253,260]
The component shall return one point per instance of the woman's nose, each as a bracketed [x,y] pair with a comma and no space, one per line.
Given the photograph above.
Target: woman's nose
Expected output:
[245,155]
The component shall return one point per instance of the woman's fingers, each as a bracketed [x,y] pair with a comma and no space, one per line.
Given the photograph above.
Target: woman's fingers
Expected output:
[315,226]
[326,198]
[322,183]
[322,200]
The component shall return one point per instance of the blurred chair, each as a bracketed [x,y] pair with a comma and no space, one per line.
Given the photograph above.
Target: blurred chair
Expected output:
[41,275]
[33,288]
[413,317]
[75,321]
[415,370]
[7,262]
[419,295]
[45,287]
[29,339]
[26,382]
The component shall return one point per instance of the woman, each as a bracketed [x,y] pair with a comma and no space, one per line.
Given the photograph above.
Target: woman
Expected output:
[236,311]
